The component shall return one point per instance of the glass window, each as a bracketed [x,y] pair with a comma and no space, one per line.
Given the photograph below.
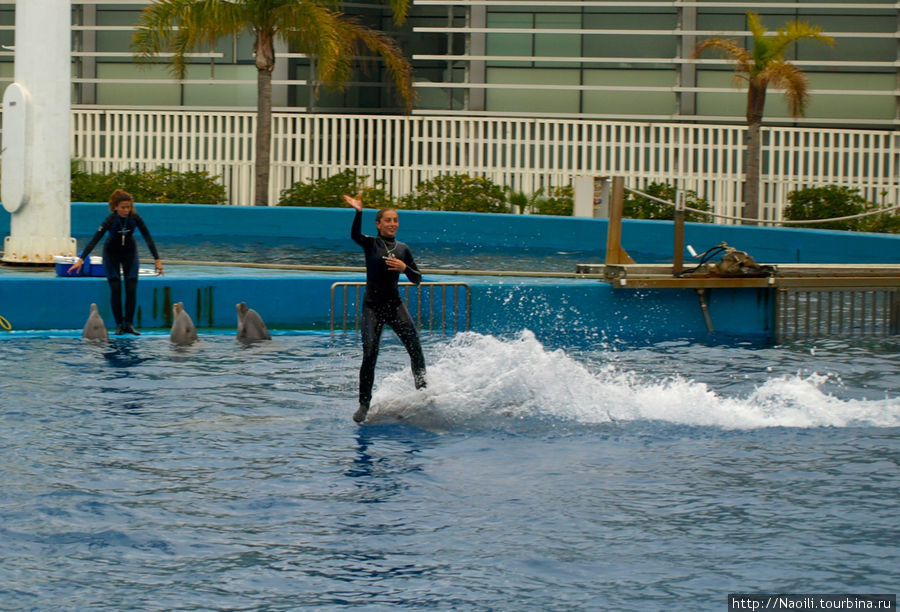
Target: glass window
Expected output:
[205,94]
[630,45]
[138,93]
[630,102]
[533,100]
[558,45]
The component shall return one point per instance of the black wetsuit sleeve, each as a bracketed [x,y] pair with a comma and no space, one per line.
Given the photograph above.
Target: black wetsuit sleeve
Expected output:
[412,270]
[104,227]
[146,234]
[356,230]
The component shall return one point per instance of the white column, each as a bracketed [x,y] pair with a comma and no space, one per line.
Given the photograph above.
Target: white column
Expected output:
[583,187]
[36,114]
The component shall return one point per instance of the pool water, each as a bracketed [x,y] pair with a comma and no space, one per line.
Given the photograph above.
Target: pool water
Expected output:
[345,253]
[137,475]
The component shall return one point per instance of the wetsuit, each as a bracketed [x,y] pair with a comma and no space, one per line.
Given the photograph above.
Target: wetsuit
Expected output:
[382,304]
[120,254]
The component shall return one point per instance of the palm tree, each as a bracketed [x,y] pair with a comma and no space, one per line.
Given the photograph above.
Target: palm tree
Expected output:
[314,27]
[762,66]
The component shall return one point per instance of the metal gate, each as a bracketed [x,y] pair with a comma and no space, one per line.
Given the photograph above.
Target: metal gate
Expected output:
[434,306]
[839,311]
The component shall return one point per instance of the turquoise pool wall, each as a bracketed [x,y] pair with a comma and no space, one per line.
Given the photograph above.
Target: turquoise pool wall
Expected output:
[654,238]
[554,309]
[551,308]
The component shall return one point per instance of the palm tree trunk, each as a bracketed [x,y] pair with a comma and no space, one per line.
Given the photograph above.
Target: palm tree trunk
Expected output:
[263,136]
[264,49]
[756,100]
[751,180]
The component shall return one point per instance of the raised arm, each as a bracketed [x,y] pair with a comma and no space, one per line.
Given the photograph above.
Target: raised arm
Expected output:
[355,202]
[356,229]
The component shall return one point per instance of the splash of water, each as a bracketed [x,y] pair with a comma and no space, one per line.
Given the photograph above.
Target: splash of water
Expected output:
[480,381]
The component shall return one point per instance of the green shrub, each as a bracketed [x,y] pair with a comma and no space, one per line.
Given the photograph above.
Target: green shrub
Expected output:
[162,185]
[559,201]
[641,207]
[833,201]
[886,223]
[458,192]
[523,202]
[329,191]
[828,202]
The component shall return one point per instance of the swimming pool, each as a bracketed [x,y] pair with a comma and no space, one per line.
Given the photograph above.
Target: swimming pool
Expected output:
[327,252]
[526,476]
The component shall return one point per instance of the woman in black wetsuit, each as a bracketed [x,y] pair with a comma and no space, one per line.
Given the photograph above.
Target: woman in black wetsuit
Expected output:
[120,255]
[386,258]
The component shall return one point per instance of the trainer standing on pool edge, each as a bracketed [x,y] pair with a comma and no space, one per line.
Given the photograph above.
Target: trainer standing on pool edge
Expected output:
[386,258]
[120,254]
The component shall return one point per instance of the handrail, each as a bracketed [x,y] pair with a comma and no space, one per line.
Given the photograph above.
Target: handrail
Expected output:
[417,313]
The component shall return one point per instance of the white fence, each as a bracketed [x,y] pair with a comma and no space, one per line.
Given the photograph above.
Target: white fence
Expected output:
[524,154]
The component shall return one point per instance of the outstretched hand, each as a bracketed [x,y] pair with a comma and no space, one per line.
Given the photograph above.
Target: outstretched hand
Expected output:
[75,267]
[355,202]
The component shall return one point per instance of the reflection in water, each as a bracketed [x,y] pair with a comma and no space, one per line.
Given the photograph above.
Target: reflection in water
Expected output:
[362,463]
[122,353]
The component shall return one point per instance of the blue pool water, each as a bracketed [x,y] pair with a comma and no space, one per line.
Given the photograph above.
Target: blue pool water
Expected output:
[343,252]
[136,475]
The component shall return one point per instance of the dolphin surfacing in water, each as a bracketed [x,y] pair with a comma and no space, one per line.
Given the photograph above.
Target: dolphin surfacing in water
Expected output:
[183,330]
[94,328]
[250,325]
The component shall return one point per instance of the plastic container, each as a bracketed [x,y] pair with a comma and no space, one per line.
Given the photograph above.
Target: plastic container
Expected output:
[63,264]
[97,268]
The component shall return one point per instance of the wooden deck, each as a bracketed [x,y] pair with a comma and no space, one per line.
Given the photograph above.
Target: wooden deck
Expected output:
[824,276]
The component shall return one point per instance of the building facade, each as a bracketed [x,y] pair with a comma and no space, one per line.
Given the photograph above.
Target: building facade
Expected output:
[567,59]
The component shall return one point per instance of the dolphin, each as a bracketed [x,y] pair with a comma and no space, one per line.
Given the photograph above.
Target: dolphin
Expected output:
[250,325]
[94,328]
[183,330]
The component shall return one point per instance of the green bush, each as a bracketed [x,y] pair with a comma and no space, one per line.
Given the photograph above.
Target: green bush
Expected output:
[524,203]
[329,191]
[641,207]
[886,223]
[833,201]
[162,185]
[559,201]
[457,192]
[826,203]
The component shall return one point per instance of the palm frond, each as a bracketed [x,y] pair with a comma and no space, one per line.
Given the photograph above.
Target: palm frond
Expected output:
[730,49]
[334,40]
[400,9]
[786,76]
[794,32]
[397,64]
[183,26]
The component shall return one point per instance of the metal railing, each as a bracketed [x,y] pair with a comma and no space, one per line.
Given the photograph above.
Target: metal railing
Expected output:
[427,303]
[839,311]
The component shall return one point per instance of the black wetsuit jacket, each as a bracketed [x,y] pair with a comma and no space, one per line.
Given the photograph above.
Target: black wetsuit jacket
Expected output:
[120,244]
[381,282]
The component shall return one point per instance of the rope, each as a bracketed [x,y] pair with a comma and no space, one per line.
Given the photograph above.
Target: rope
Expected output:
[859,216]
[772,221]
[4,323]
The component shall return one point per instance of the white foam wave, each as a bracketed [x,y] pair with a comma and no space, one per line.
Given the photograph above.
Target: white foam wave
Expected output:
[482,381]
